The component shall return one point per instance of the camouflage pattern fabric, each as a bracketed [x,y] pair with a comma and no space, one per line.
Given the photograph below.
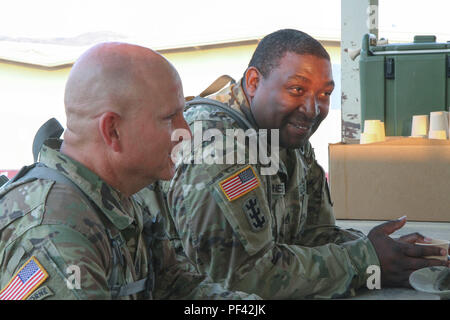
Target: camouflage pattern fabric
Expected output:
[175,276]
[279,240]
[53,223]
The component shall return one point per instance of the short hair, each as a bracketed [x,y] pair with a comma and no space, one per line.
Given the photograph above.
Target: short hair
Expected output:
[274,46]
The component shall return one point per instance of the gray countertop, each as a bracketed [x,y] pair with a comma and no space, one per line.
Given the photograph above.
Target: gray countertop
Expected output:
[437,230]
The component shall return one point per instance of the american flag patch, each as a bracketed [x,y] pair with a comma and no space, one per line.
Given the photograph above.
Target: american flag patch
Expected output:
[240,183]
[25,281]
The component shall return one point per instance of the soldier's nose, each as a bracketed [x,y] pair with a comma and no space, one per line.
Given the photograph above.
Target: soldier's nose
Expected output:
[309,107]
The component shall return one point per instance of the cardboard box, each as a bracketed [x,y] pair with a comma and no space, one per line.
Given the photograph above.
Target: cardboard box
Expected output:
[386,180]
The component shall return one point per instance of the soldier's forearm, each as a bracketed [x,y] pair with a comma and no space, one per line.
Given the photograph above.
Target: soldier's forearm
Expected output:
[294,272]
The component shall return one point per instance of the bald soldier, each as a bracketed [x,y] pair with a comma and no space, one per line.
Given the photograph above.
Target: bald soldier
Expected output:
[85,236]
[274,234]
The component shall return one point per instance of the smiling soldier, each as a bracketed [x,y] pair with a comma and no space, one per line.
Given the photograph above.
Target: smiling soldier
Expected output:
[275,235]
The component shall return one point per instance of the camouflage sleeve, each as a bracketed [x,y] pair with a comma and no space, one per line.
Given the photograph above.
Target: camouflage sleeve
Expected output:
[174,280]
[175,276]
[320,227]
[64,254]
[41,228]
[218,236]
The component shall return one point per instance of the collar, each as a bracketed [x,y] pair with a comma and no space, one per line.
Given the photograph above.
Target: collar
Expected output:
[115,206]
[241,98]
[234,96]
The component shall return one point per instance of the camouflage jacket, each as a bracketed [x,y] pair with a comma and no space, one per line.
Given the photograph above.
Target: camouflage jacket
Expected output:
[54,226]
[275,237]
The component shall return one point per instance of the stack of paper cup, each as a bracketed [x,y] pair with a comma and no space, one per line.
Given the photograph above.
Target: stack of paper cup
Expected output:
[439,123]
[368,138]
[420,126]
[373,132]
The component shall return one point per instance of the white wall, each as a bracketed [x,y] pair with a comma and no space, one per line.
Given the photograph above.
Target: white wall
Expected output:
[29,96]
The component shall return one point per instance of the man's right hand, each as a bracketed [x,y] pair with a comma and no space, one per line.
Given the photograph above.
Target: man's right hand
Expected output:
[399,258]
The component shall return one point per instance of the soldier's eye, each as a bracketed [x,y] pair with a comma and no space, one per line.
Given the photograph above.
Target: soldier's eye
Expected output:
[297,90]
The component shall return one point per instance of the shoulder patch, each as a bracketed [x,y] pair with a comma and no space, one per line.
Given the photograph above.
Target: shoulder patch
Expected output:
[240,183]
[254,214]
[25,281]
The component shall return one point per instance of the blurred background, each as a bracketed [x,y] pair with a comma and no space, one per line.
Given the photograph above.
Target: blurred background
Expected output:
[40,40]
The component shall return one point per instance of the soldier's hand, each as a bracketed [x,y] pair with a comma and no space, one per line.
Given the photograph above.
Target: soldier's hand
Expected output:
[399,258]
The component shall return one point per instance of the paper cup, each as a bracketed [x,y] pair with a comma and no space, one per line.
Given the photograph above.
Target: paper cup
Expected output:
[366,138]
[437,134]
[439,121]
[374,127]
[436,243]
[420,126]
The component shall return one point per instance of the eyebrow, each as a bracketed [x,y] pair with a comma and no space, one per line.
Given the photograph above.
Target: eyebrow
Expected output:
[329,83]
[299,77]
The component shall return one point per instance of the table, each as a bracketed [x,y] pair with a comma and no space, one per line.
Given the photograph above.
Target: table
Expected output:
[392,294]
[438,230]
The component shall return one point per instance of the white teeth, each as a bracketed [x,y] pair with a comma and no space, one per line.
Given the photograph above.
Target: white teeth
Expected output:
[300,127]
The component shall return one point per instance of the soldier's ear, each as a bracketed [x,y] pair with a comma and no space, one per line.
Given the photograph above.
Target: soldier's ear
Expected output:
[252,78]
[109,130]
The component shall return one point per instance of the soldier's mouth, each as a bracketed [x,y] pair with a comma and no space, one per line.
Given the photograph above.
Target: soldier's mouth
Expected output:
[299,128]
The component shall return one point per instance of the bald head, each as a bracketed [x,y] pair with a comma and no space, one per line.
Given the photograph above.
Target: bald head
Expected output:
[112,77]
[122,103]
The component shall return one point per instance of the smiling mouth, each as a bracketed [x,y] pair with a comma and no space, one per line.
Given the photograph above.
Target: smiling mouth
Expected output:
[301,126]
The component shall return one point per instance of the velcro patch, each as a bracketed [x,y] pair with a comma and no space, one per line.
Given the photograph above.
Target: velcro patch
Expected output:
[41,293]
[278,189]
[240,183]
[25,281]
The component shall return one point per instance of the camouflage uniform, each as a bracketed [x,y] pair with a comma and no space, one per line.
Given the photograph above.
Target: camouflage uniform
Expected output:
[279,240]
[53,223]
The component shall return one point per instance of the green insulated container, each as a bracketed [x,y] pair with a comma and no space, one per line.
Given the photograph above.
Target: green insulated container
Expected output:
[402,80]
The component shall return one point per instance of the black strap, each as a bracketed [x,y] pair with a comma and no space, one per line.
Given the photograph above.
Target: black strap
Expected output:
[22,172]
[52,129]
[242,122]
[3,179]
[39,171]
